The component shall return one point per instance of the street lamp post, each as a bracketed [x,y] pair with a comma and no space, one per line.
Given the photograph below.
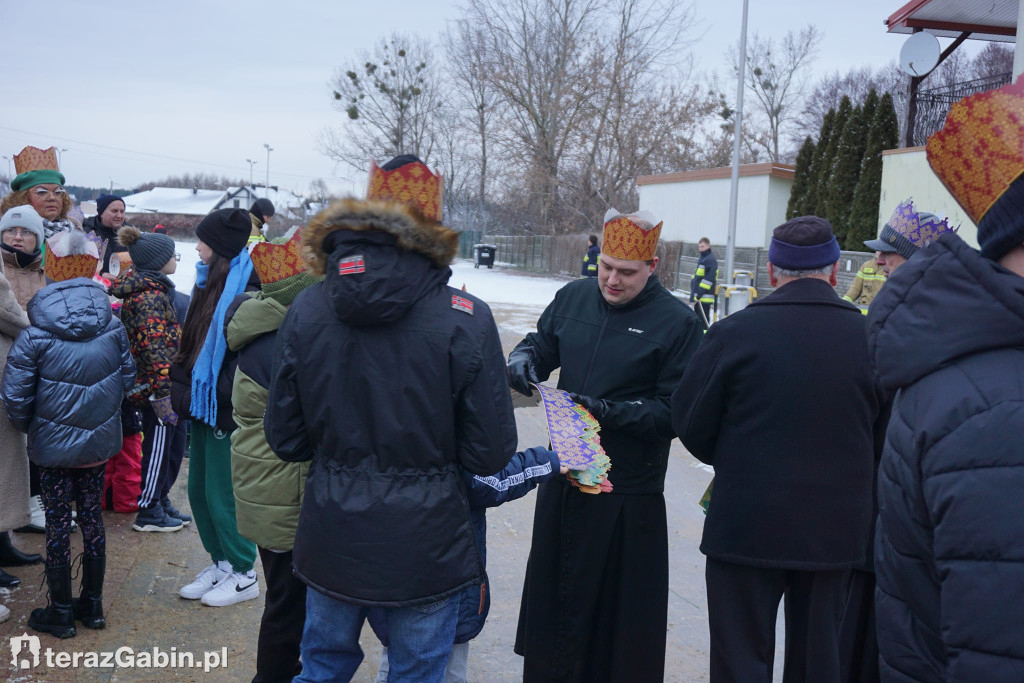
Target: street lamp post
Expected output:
[734,185]
[8,168]
[251,162]
[60,150]
[269,150]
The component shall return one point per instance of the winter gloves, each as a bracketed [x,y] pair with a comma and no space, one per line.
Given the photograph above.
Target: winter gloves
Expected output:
[521,371]
[596,406]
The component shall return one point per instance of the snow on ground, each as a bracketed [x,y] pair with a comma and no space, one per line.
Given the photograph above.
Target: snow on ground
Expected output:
[517,299]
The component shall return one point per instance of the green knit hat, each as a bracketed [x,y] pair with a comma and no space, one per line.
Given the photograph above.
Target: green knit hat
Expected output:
[284,291]
[42,176]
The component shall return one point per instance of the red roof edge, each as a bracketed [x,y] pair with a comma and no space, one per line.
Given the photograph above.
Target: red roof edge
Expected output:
[903,13]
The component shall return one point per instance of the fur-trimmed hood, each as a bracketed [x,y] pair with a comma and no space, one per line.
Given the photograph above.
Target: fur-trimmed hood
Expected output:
[411,229]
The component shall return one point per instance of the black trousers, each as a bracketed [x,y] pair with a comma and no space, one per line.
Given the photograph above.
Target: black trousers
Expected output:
[284,616]
[743,603]
[858,641]
[163,447]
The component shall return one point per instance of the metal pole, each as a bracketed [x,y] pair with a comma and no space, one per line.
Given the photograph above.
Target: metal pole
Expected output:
[251,162]
[269,150]
[730,245]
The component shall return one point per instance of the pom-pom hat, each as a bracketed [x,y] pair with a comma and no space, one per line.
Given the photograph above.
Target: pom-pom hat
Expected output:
[149,250]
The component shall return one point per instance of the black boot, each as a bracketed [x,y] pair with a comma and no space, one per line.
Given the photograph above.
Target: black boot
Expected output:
[8,581]
[57,618]
[89,607]
[12,557]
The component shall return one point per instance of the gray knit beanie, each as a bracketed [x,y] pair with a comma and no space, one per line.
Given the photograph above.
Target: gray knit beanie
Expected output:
[149,250]
[24,216]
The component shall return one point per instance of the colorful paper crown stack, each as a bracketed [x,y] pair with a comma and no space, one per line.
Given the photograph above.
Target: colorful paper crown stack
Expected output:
[62,264]
[980,151]
[632,237]
[412,183]
[36,166]
[275,262]
[573,432]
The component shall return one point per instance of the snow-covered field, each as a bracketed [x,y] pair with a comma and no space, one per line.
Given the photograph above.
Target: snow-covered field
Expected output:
[515,298]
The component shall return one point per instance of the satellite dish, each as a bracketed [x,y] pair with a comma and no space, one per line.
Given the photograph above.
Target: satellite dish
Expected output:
[920,54]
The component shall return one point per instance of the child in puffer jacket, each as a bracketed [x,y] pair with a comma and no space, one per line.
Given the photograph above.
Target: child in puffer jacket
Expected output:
[524,472]
[66,376]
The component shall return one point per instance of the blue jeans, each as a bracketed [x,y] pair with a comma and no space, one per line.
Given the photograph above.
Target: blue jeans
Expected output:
[421,639]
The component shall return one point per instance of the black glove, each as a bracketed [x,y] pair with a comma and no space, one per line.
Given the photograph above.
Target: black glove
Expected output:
[521,371]
[595,406]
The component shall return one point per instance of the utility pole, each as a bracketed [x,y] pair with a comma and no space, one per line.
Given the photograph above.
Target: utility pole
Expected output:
[730,245]
[269,150]
[251,162]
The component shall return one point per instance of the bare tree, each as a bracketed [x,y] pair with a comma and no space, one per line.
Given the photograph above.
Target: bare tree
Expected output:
[856,83]
[541,68]
[390,102]
[319,192]
[994,60]
[466,48]
[776,76]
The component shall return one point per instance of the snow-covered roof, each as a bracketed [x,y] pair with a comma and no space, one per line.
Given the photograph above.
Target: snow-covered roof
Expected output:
[281,199]
[174,200]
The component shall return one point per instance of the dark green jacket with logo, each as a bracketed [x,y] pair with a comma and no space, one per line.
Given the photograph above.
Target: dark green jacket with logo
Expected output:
[268,491]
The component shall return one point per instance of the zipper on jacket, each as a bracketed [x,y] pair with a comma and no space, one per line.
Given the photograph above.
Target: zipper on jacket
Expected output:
[483,592]
[593,354]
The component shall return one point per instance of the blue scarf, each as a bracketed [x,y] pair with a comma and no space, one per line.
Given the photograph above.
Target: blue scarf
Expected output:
[211,357]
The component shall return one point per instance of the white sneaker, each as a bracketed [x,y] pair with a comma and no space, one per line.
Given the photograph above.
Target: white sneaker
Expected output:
[5,613]
[206,580]
[235,588]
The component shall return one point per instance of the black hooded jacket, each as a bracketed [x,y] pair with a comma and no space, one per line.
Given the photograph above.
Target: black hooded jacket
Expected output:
[947,331]
[390,382]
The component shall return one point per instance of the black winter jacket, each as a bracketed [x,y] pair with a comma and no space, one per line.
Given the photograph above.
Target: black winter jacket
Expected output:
[390,382]
[947,331]
[781,399]
[67,374]
[632,356]
[93,224]
[590,261]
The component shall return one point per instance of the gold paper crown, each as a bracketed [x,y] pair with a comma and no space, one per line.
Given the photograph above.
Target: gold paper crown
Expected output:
[35,159]
[412,183]
[61,268]
[980,150]
[275,262]
[632,237]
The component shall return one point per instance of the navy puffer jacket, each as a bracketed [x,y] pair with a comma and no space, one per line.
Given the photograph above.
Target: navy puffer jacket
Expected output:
[66,375]
[947,331]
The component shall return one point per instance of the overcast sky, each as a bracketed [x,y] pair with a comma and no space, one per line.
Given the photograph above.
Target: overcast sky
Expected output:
[137,91]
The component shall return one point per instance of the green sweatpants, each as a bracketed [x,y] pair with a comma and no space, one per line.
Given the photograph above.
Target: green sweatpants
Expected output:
[213,500]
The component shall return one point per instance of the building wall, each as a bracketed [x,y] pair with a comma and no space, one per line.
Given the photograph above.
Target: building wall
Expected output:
[700,208]
[906,174]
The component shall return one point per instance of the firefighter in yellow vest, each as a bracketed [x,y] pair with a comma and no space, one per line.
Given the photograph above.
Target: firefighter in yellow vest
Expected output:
[702,286]
[866,284]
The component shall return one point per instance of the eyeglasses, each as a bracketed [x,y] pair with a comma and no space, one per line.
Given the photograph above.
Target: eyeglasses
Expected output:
[177,256]
[20,232]
[43,193]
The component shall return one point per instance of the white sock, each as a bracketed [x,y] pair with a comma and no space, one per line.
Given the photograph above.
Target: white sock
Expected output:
[224,566]
[251,574]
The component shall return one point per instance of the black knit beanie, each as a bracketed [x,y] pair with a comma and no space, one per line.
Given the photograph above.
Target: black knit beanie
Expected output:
[226,231]
[262,208]
[104,200]
[1002,227]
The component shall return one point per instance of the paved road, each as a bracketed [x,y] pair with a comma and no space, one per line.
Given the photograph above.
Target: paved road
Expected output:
[146,570]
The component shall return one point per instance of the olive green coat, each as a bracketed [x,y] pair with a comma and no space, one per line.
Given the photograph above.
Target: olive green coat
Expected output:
[268,491]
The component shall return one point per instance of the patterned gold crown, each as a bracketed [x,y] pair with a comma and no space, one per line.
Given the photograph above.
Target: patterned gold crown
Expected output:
[980,150]
[275,262]
[632,237]
[412,183]
[61,268]
[35,159]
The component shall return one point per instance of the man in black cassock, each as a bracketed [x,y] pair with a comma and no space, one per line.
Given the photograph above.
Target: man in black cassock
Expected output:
[595,598]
